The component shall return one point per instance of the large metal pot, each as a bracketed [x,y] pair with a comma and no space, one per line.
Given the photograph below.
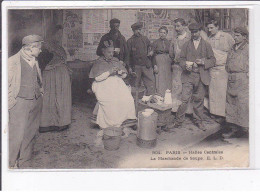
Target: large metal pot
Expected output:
[146,130]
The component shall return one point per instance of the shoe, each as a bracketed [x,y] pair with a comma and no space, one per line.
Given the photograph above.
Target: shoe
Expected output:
[201,126]
[62,128]
[165,128]
[231,134]
[46,129]
[174,125]
[218,119]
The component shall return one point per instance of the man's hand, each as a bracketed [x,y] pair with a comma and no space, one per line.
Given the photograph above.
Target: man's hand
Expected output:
[122,63]
[155,69]
[189,65]
[195,65]
[150,53]
[200,61]
[117,50]
[130,70]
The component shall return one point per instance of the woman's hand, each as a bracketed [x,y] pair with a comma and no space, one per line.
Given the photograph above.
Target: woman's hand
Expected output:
[155,69]
[113,71]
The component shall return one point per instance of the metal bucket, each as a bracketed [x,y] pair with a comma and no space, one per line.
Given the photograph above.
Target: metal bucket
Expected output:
[112,138]
[146,130]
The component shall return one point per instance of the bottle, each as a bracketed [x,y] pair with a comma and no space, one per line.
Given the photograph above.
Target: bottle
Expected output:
[168,97]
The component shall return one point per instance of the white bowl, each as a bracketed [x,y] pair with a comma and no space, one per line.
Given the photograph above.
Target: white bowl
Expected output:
[149,110]
[146,114]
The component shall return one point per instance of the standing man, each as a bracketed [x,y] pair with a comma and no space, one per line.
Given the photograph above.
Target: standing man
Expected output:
[195,59]
[140,50]
[24,100]
[119,42]
[182,36]
[221,43]
[237,106]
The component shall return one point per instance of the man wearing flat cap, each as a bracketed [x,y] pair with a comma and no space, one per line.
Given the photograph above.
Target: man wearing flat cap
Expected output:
[24,100]
[196,58]
[139,48]
[119,41]
[237,102]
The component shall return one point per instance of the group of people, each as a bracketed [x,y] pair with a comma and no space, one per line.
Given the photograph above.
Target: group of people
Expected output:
[194,66]
[191,65]
[39,93]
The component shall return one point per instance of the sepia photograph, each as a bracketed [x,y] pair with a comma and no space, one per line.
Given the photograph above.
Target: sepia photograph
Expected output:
[128,88]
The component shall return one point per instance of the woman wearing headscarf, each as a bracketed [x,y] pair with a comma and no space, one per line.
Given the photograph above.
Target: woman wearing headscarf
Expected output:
[57,102]
[115,102]
[162,61]
[237,105]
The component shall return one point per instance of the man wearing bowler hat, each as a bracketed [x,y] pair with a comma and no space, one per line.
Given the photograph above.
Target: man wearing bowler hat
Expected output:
[196,58]
[119,42]
[24,100]
[139,48]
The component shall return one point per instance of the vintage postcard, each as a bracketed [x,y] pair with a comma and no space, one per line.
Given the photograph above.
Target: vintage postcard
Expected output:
[117,88]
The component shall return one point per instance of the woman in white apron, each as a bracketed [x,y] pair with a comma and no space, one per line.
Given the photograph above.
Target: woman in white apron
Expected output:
[115,102]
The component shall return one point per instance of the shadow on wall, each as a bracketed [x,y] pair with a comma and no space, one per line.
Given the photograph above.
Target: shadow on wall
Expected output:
[22,23]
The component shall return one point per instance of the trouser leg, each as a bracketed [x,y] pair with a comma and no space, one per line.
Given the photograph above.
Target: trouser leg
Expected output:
[18,119]
[138,71]
[186,94]
[149,80]
[198,100]
[30,131]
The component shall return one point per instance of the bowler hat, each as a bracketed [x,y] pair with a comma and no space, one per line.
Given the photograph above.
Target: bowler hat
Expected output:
[31,39]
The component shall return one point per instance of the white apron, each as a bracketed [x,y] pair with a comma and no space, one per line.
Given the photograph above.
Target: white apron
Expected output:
[116,103]
[218,85]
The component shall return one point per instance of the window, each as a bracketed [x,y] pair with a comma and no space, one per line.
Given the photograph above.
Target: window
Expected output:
[222,15]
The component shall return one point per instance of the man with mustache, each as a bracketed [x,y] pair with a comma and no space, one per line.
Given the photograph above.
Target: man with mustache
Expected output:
[140,50]
[196,58]
[119,41]
[24,100]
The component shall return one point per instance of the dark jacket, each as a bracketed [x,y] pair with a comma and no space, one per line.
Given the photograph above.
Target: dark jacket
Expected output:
[189,53]
[138,47]
[119,42]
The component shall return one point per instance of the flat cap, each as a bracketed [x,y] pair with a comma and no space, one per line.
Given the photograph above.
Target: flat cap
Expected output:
[114,21]
[241,30]
[137,25]
[31,39]
[195,27]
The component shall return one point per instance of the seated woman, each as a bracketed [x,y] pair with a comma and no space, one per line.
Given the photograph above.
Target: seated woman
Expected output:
[115,102]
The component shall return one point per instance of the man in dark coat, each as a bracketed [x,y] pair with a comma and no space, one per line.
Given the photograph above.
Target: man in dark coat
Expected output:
[118,39]
[195,59]
[140,49]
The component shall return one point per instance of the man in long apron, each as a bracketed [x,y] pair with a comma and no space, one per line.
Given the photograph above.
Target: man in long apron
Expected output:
[24,100]
[237,103]
[221,43]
